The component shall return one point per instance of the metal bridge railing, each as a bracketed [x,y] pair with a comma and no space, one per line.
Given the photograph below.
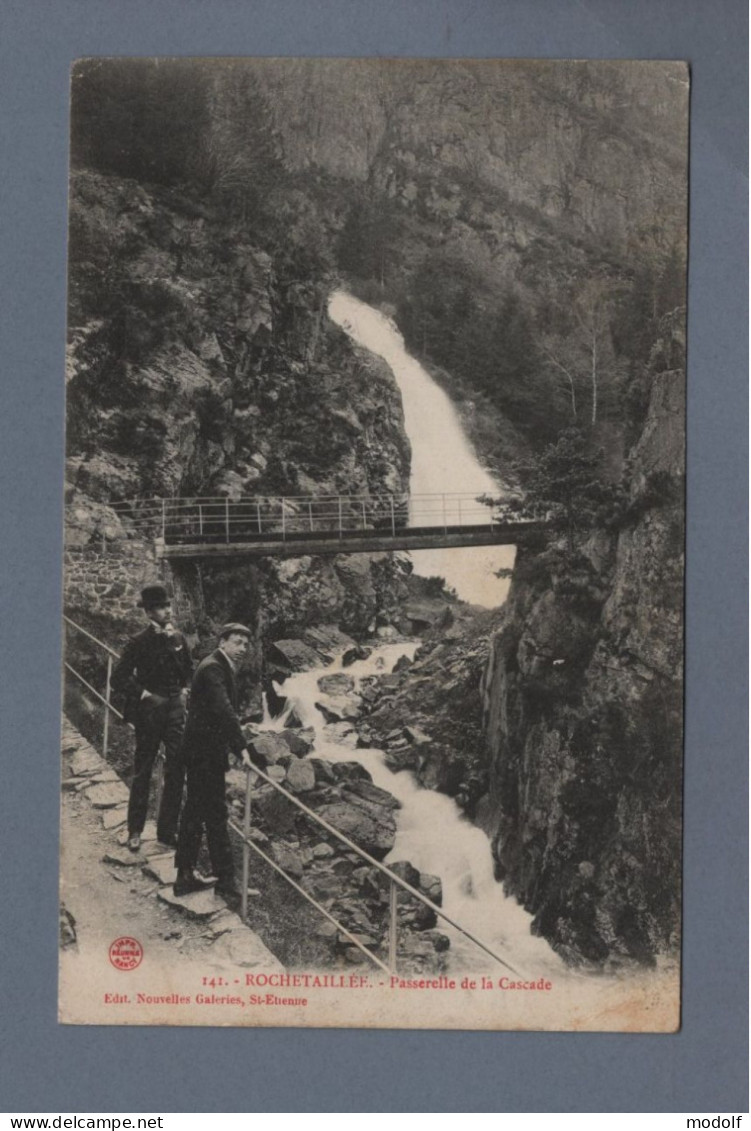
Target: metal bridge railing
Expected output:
[395,882]
[218,518]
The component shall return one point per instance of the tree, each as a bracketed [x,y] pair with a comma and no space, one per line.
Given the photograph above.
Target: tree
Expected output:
[564,486]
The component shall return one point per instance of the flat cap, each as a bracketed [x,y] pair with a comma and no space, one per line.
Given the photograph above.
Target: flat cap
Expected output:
[240,629]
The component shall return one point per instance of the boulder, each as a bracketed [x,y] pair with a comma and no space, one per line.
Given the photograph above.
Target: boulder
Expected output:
[402,664]
[296,656]
[327,638]
[301,775]
[366,791]
[287,858]
[372,827]
[340,707]
[359,652]
[107,795]
[300,742]
[270,748]
[324,770]
[336,683]
[350,771]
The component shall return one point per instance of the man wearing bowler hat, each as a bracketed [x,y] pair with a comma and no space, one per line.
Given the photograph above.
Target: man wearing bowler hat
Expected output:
[152,676]
[212,731]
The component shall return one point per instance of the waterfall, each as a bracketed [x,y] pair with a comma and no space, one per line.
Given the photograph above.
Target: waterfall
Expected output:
[442,457]
[432,832]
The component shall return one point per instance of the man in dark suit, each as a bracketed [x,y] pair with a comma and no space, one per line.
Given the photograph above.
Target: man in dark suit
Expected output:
[212,731]
[152,677]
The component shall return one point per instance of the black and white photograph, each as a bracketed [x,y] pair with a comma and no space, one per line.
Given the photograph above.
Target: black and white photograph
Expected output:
[374,543]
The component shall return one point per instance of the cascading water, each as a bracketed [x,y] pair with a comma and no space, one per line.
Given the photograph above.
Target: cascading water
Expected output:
[432,833]
[442,458]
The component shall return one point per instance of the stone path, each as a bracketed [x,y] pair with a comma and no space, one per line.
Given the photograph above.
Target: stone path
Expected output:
[108,890]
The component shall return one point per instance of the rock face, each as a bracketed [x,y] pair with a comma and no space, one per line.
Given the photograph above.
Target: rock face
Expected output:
[194,367]
[427,715]
[583,717]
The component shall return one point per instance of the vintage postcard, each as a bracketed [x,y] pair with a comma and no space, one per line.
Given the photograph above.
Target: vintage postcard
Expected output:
[374,544]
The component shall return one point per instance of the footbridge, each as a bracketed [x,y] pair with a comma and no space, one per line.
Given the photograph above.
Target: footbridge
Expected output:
[289,526]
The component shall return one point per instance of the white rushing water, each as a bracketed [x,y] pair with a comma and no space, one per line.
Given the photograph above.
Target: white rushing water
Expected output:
[432,833]
[442,458]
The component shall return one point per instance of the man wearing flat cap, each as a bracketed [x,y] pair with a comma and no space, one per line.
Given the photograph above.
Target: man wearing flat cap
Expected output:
[212,732]
[152,676]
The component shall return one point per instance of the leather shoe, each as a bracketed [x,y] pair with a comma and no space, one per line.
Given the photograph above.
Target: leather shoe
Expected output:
[189,882]
[134,842]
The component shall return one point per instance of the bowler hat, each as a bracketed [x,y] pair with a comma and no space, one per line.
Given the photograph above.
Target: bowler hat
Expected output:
[152,596]
[240,629]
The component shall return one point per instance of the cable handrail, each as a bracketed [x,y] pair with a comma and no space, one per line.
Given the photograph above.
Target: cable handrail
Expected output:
[391,875]
[395,880]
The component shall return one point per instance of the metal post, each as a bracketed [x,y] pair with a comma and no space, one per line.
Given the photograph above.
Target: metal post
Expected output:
[393,519]
[107,705]
[258,508]
[310,513]
[164,519]
[364,517]
[200,519]
[246,850]
[340,516]
[226,518]
[445,526]
[393,897]
[284,522]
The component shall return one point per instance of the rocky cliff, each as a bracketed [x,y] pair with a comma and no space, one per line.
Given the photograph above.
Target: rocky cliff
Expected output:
[201,362]
[583,717]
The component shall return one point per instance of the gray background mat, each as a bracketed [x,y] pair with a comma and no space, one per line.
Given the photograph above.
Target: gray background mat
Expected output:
[51,1068]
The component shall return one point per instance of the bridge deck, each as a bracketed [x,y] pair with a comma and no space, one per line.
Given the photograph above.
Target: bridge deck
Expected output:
[294,544]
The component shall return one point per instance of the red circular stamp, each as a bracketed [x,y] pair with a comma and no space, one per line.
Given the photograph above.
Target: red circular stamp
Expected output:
[126,953]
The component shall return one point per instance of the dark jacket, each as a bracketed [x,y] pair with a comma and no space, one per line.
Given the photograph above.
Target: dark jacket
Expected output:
[151,661]
[213,727]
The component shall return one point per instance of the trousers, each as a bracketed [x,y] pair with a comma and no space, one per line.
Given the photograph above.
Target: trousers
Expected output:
[205,809]
[159,720]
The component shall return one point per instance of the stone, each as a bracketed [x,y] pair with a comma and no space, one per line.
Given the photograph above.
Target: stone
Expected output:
[432,887]
[300,742]
[336,683]
[270,747]
[301,776]
[327,638]
[113,818]
[277,773]
[242,947]
[402,664]
[74,783]
[357,653]
[296,656]
[124,859]
[324,770]
[287,858]
[350,771]
[87,761]
[326,930]
[198,905]
[322,851]
[293,720]
[108,775]
[373,794]
[405,871]
[338,708]
[162,868]
[107,795]
[372,829]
